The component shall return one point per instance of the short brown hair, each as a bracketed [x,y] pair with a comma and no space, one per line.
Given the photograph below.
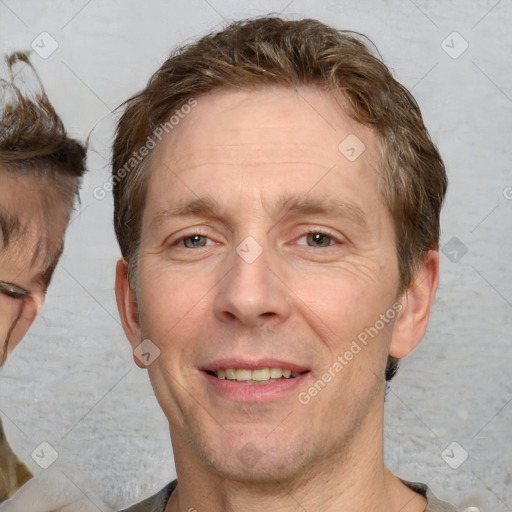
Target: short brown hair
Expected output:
[270,50]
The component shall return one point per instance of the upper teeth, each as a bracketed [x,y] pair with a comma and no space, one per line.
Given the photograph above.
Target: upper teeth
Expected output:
[259,374]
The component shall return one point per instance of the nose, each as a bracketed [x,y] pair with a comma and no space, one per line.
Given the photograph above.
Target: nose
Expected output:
[252,293]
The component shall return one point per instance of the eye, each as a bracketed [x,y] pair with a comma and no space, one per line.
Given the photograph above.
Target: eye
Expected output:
[317,239]
[193,241]
[13,291]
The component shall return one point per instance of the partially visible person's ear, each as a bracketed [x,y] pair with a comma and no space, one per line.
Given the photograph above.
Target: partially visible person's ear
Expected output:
[416,302]
[128,309]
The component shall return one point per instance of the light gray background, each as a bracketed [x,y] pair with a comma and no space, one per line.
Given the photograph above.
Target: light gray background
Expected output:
[72,382]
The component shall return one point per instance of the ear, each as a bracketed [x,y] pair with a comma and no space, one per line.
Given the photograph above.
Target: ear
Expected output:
[127,306]
[416,302]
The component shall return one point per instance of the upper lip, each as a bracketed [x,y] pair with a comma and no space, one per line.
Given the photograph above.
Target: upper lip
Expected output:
[246,364]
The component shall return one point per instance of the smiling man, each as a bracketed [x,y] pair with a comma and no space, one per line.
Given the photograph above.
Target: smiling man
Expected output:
[279,256]
[40,172]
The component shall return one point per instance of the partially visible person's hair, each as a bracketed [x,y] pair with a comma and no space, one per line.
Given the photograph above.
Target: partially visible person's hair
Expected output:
[34,144]
[270,50]
[33,140]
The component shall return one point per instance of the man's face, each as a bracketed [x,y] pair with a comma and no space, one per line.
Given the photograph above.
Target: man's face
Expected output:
[32,226]
[293,261]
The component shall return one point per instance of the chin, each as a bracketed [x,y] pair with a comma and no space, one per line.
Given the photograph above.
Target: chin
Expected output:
[257,461]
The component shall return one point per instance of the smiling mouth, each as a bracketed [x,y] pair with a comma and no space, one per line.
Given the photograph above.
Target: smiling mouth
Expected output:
[259,376]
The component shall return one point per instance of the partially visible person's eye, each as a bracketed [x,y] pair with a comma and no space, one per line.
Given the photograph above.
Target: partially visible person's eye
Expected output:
[13,291]
[318,239]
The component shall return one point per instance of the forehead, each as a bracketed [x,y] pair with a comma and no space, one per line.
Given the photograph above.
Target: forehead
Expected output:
[266,141]
[32,223]
[307,121]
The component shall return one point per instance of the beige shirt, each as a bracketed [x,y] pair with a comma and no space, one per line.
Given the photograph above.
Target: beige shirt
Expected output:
[13,473]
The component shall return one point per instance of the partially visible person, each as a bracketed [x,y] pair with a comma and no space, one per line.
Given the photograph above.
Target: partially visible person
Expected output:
[40,174]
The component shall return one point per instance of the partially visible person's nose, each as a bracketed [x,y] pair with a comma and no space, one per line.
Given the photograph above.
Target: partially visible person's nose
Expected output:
[252,293]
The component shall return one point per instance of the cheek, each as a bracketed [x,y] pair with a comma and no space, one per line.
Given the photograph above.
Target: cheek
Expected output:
[343,300]
[170,302]
[344,310]
[15,320]
[18,333]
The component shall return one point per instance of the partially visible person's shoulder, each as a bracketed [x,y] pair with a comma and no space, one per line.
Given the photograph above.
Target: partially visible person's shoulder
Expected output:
[13,473]
[433,503]
[154,503]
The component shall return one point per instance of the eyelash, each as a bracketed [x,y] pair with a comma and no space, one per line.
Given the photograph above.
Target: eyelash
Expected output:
[9,290]
[190,235]
[323,233]
[305,233]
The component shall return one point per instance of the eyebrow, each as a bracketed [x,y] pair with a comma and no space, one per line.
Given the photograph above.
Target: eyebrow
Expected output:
[209,207]
[198,207]
[325,206]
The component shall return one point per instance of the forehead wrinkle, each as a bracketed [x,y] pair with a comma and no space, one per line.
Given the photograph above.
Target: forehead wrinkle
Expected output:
[193,162]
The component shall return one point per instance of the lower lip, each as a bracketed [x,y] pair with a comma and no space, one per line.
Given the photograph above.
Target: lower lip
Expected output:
[255,393]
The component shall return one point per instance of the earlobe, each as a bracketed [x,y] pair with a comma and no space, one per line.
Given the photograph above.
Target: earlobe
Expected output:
[127,306]
[416,303]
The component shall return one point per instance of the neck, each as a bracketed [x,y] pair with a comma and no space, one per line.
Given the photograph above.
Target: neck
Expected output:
[351,478]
